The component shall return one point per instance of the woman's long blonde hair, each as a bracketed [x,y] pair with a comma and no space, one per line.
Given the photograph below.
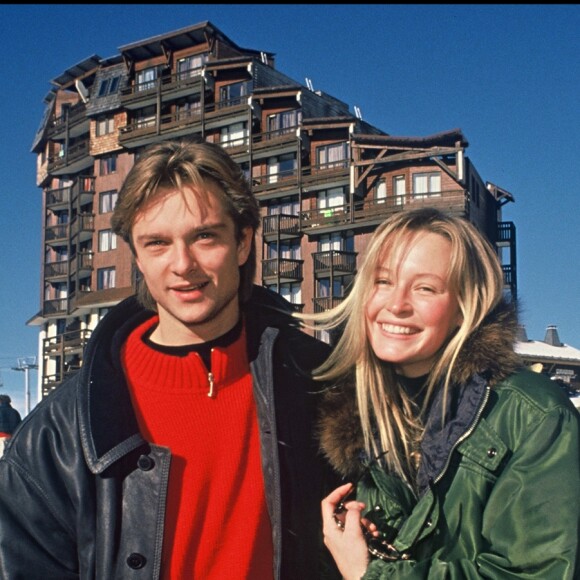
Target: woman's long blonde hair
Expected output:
[475,276]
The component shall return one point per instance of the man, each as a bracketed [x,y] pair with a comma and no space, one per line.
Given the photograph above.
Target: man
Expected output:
[9,419]
[183,448]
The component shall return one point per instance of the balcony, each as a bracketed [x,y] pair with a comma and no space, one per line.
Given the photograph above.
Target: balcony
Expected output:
[56,307]
[506,233]
[58,199]
[170,87]
[282,182]
[335,262]
[56,235]
[321,304]
[55,270]
[83,191]
[280,227]
[82,227]
[72,122]
[82,263]
[66,343]
[72,160]
[282,270]
[276,142]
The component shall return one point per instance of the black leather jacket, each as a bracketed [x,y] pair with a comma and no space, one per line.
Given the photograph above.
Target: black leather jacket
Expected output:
[82,493]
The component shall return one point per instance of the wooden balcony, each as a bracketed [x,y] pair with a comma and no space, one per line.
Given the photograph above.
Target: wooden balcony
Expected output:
[54,307]
[73,160]
[58,199]
[282,270]
[335,262]
[56,235]
[321,304]
[55,270]
[280,227]
[67,342]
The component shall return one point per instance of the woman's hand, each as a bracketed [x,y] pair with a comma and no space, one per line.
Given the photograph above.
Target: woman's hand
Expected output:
[343,534]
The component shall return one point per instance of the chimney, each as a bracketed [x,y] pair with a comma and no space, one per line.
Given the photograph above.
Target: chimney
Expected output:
[521,334]
[552,337]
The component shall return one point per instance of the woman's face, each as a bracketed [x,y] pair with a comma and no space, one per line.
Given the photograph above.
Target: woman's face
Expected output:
[412,311]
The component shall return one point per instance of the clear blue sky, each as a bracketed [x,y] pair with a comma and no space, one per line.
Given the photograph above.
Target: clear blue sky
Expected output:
[508,76]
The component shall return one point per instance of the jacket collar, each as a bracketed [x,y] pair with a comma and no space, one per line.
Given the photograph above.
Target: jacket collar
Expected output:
[487,358]
[107,420]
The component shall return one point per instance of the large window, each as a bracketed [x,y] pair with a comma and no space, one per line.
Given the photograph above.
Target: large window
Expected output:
[281,166]
[107,201]
[426,184]
[105,278]
[288,249]
[146,78]
[190,66]
[231,95]
[234,135]
[333,155]
[284,122]
[107,240]
[330,198]
[292,291]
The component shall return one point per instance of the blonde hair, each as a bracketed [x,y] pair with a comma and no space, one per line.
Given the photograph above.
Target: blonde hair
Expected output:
[475,276]
[174,165]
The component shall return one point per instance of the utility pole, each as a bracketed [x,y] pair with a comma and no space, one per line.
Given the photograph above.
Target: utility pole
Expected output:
[25,364]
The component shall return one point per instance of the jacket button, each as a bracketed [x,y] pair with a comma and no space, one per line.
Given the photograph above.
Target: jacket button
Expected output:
[491,452]
[145,463]
[136,561]
[429,523]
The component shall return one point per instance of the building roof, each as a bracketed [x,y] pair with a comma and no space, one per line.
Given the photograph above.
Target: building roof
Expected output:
[541,350]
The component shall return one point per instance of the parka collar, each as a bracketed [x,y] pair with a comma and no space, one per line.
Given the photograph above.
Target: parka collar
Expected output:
[487,358]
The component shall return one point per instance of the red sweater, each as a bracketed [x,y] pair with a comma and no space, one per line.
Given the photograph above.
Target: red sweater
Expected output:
[216,522]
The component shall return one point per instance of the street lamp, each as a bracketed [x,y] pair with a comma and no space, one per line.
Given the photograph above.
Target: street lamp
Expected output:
[25,364]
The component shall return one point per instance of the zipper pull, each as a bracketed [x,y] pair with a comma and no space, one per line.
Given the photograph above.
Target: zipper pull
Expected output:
[210,380]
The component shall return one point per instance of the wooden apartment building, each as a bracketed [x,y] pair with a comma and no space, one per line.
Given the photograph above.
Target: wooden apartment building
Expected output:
[324,177]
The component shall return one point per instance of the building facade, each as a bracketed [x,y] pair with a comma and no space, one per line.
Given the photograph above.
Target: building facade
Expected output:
[324,177]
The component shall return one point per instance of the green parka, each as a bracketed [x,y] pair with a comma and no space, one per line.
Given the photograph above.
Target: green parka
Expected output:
[498,484]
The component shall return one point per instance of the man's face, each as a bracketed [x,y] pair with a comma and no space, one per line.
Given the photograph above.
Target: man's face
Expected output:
[186,249]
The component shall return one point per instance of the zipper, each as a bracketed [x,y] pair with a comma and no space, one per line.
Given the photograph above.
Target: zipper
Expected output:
[465,435]
[210,377]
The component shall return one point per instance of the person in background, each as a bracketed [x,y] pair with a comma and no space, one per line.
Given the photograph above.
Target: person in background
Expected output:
[184,447]
[460,462]
[9,419]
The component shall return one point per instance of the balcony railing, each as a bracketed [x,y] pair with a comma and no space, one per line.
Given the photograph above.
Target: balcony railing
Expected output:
[284,269]
[73,340]
[54,270]
[56,234]
[57,306]
[335,261]
[321,304]
[283,225]
[58,198]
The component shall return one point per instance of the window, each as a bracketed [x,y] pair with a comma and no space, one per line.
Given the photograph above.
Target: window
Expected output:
[146,79]
[107,201]
[426,185]
[336,241]
[107,240]
[105,278]
[292,291]
[145,117]
[109,86]
[381,191]
[188,108]
[285,205]
[231,95]
[331,198]
[334,155]
[289,250]
[234,135]
[399,189]
[108,165]
[284,122]
[190,66]
[281,166]
[105,125]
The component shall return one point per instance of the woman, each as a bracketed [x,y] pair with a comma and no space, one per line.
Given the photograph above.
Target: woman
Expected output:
[463,463]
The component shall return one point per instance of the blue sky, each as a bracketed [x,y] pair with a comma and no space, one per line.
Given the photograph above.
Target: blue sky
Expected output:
[508,76]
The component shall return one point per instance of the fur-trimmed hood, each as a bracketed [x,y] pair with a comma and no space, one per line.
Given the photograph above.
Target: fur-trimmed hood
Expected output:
[489,351]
